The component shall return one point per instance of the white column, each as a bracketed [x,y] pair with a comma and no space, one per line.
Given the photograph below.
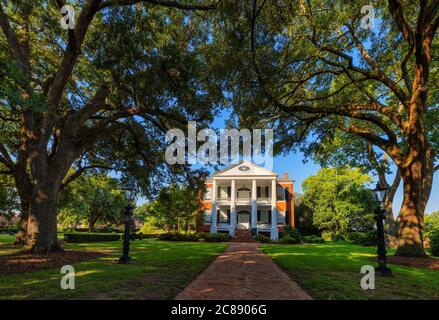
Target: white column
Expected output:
[232,209]
[213,227]
[274,231]
[254,207]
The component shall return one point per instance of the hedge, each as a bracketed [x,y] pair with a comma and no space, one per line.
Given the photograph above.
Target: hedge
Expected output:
[176,236]
[363,238]
[9,230]
[91,237]
[207,237]
[214,237]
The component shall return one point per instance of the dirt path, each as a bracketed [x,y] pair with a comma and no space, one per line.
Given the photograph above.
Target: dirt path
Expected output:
[243,271]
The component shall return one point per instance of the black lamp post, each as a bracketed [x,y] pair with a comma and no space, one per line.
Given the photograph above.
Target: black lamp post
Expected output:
[380,216]
[129,195]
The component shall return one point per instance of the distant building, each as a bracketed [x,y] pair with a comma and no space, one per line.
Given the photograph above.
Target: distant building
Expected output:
[4,222]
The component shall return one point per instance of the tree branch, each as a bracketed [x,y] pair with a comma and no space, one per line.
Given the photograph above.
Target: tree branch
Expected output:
[75,40]
[79,172]
[396,10]
[164,3]
[349,110]
[390,148]
[94,105]
[378,168]
[6,158]
[17,51]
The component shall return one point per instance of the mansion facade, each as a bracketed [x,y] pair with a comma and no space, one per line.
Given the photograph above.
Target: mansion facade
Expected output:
[248,196]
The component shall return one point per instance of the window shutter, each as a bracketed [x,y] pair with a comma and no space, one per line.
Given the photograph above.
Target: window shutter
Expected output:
[269,216]
[228,215]
[218,217]
[219,193]
[229,191]
[259,215]
[258,191]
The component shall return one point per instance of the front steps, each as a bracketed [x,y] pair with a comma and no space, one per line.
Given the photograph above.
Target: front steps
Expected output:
[243,235]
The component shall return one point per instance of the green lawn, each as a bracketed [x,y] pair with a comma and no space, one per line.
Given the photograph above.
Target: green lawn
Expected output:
[160,271]
[332,271]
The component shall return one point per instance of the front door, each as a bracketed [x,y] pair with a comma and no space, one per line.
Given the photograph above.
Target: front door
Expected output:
[243,220]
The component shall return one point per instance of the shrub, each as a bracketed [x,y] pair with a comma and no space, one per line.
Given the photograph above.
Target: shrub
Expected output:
[287,239]
[328,235]
[333,236]
[434,243]
[149,228]
[214,237]
[91,237]
[363,238]
[292,233]
[140,236]
[312,239]
[262,238]
[177,236]
[136,236]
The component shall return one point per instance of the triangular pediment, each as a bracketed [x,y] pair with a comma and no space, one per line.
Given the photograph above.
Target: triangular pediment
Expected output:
[244,168]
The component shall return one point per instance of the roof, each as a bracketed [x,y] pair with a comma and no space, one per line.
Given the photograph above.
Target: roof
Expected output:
[260,171]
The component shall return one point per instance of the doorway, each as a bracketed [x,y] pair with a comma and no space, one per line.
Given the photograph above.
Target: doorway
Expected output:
[243,220]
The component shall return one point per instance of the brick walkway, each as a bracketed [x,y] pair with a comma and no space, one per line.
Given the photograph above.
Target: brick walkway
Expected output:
[242,272]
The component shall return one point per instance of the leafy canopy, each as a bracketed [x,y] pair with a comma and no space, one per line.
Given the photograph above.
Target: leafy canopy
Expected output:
[91,199]
[339,200]
[174,209]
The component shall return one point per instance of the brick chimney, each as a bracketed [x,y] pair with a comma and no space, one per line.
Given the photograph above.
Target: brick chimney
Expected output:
[286,175]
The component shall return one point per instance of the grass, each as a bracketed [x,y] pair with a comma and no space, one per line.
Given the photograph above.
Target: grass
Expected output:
[332,271]
[160,270]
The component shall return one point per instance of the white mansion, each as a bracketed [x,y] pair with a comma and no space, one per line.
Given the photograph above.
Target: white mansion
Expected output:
[248,196]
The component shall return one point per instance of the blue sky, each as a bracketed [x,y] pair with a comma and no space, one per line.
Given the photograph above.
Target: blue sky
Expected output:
[299,171]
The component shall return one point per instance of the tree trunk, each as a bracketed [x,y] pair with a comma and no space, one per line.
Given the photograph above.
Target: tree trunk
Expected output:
[91,223]
[21,237]
[42,226]
[22,184]
[411,217]
[390,225]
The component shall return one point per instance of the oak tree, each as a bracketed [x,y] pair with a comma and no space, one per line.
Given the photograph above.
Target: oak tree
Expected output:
[98,96]
[314,66]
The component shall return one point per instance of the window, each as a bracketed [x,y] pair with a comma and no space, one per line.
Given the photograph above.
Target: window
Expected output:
[208,194]
[280,193]
[263,217]
[244,193]
[258,191]
[267,191]
[223,216]
[229,192]
[208,216]
[281,217]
